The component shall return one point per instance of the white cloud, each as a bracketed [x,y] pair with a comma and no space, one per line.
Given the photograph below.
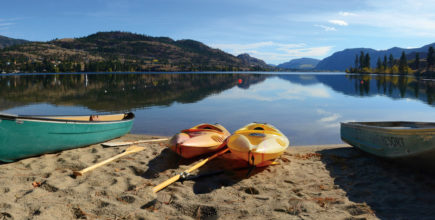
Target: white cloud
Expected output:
[275,52]
[410,17]
[328,119]
[6,24]
[345,13]
[326,28]
[338,22]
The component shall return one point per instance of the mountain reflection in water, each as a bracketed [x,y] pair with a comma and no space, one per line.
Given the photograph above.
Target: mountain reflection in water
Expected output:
[306,107]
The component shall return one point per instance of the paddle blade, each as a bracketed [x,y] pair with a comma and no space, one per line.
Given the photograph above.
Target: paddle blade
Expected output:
[123,143]
[134,149]
[115,144]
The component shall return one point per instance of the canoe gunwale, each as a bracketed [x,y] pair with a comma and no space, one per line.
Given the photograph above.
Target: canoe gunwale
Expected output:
[129,116]
[399,131]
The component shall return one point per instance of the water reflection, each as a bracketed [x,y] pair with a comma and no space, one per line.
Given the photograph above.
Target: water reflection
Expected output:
[116,92]
[393,86]
[306,107]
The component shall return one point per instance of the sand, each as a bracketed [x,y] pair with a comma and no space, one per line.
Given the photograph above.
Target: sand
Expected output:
[311,182]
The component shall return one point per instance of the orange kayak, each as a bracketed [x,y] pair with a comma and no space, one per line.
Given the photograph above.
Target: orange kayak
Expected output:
[198,140]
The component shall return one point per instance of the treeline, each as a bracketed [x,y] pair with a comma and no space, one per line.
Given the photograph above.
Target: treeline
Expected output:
[24,65]
[394,66]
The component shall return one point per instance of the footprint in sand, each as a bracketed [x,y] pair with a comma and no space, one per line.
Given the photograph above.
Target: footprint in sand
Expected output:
[250,190]
[5,215]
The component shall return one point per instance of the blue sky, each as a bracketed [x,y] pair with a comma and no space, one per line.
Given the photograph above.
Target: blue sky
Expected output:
[275,31]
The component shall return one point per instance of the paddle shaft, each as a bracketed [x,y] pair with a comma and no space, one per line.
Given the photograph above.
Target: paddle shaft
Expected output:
[113,144]
[127,151]
[194,167]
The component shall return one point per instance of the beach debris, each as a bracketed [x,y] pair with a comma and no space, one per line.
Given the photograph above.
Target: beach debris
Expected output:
[285,160]
[36,184]
[126,199]
[307,156]
[324,201]
[123,143]
[129,150]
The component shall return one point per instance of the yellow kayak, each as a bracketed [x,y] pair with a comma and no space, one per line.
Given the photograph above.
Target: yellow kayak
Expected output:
[259,144]
[200,139]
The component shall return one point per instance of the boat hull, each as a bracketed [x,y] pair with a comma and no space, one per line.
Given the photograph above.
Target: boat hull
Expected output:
[191,152]
[258,147]
[26,137]
[199,140]
[407,141]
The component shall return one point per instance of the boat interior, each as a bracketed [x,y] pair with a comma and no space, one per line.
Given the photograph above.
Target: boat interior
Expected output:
[84,118]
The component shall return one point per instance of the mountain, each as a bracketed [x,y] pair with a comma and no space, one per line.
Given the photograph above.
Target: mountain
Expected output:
[121,51]
[252,61]
[300,64]
[340,61]
[6,41]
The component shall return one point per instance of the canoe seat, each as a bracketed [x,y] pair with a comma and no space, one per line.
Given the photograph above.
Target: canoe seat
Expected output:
[93,118]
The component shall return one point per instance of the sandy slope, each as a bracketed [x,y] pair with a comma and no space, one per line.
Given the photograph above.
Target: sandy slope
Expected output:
[311,182]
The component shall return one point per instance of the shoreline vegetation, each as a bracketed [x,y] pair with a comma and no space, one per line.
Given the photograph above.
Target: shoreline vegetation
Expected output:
[417,66]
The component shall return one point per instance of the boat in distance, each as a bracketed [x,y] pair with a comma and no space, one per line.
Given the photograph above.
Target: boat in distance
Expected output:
[410,141]
[26,136]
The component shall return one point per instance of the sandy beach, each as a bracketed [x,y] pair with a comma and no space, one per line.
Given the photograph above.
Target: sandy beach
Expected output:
[310,182]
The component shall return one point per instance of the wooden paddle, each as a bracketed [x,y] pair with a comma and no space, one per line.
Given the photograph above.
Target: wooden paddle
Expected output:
[114,144]
[186,172]
[129,150]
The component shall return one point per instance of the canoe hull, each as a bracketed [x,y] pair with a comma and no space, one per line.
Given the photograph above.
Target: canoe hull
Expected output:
[407,141]
[26,137]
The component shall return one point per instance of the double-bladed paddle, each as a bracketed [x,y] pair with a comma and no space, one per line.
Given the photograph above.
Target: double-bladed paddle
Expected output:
[187,172]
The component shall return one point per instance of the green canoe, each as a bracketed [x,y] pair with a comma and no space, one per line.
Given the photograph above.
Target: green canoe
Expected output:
[408,141]
[26,136]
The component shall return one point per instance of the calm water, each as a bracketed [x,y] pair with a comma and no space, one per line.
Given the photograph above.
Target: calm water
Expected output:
[306,107]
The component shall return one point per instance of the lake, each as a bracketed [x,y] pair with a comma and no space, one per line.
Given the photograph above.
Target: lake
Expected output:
[307,107]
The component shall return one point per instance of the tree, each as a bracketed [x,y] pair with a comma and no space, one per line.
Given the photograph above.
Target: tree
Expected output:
[367,60]
[379,65]
[356,61]
[430,58]
[403,63]
[391,61]
[384,64]
[417,61]
[361,60]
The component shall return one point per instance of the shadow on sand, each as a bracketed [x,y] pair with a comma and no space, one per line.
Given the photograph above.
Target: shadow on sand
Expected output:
[392,190]
[230,171]
[166,160]
[222,171]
